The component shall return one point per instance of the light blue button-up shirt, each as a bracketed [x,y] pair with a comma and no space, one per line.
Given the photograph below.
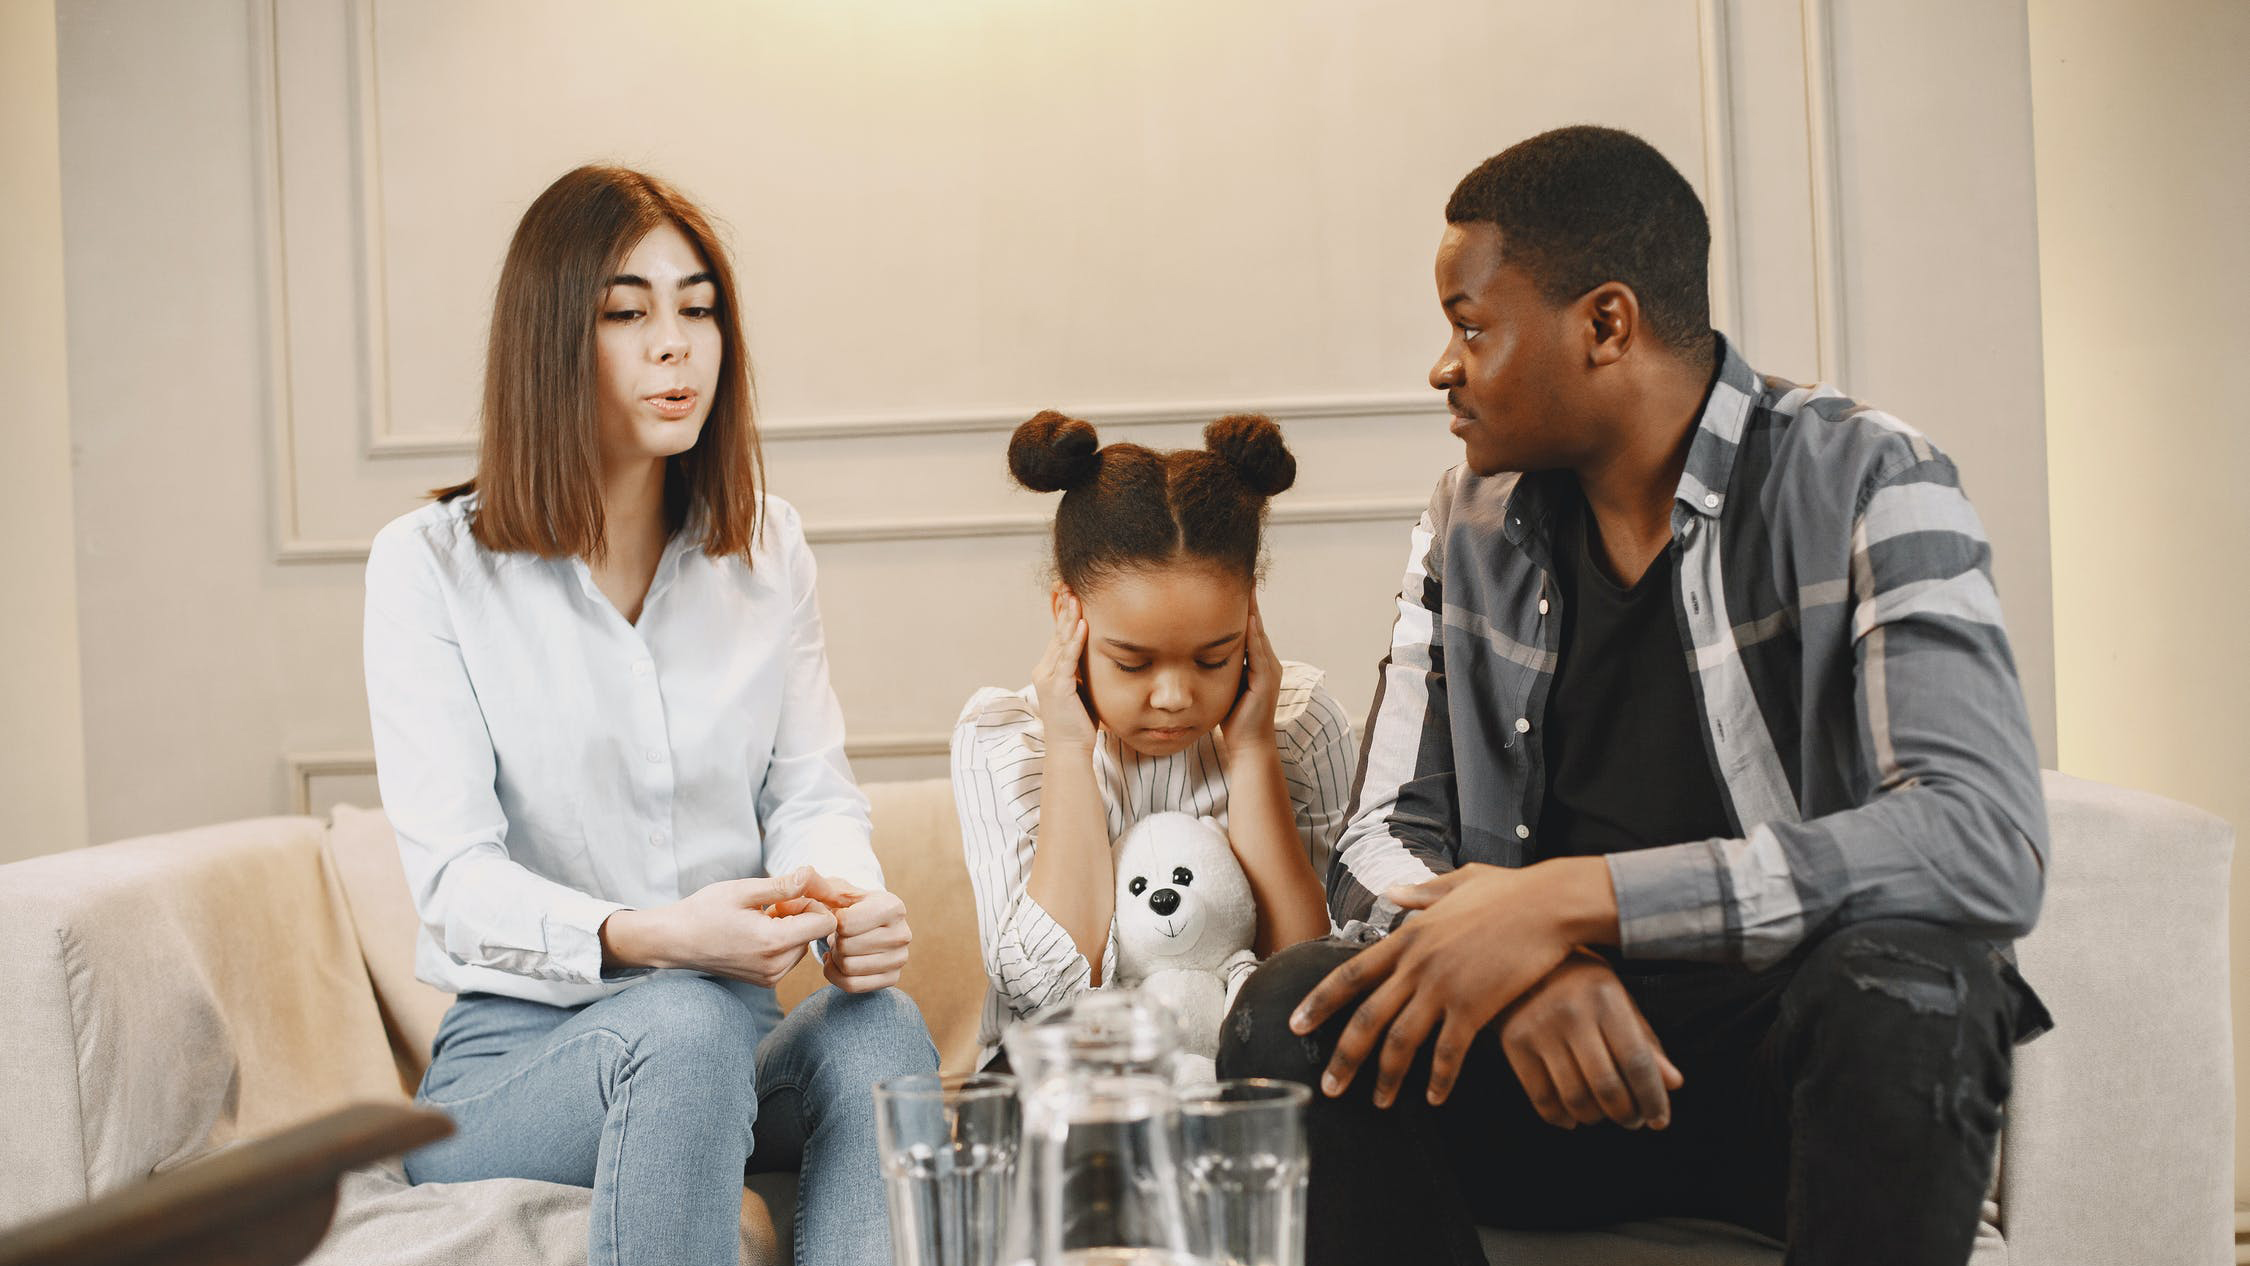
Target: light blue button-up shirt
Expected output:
[545,763]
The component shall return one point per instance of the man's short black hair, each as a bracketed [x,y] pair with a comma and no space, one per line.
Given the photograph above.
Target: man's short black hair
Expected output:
[1583,205]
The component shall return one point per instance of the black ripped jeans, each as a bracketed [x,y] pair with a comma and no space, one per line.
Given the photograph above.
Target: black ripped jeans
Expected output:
[1846,1101]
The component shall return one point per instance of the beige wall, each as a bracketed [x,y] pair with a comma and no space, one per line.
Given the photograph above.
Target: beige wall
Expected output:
[2143,116]
[42,740]
[287,218]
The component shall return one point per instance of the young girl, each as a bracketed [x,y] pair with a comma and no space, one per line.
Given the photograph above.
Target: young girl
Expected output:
[605,736]
[1158,692]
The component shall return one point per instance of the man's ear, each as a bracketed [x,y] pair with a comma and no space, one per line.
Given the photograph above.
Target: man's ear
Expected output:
[1612,315]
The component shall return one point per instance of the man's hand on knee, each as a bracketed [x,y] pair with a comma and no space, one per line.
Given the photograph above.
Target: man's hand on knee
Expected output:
[1482,937]
[1584,1053]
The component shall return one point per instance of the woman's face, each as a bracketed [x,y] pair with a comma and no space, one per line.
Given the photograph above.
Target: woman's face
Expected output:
[1164,648]
[656,350]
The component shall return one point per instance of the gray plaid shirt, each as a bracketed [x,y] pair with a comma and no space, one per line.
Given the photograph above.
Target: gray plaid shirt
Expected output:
[1860,704]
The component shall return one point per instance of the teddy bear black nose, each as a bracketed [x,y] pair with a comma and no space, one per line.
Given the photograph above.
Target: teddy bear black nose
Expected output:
[1164,901]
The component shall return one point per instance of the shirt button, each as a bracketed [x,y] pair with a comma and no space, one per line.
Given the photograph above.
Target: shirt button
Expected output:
[1542,606]
[1523,832]
[657,838]
[643,667]
[1523,725]
[656,756]
[1710,501]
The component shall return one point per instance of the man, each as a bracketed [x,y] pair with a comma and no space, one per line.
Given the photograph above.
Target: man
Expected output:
[1698,802]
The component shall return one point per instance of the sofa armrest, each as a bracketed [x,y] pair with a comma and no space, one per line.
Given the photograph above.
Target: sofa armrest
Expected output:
[266,1202]
[2120,1139]
[170,995]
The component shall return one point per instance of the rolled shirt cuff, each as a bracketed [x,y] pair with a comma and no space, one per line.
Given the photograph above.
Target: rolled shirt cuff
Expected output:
[1672,902]
[573,932]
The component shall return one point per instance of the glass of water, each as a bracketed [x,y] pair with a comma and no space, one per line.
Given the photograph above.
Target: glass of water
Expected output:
[949,1165]
[1243,1168]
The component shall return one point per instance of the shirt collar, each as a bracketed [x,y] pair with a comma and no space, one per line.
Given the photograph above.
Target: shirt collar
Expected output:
[1718,435]
[1703,480]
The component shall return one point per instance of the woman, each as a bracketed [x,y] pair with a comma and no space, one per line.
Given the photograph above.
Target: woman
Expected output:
[605,735]
[1158,691]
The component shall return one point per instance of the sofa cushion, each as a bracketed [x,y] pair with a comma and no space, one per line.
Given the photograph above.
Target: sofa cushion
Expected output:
[382,1221]
[364,852]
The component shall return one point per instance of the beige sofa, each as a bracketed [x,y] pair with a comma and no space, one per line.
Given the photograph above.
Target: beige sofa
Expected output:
[175,993]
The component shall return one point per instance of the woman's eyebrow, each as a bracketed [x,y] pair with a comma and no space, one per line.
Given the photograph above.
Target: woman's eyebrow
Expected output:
[633,279]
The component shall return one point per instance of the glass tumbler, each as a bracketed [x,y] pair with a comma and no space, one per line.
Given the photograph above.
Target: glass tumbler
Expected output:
[948,1147]
[1243,1169]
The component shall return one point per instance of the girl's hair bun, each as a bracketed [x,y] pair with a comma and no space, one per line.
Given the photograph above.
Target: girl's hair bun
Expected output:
[1250,444]
[1054,453]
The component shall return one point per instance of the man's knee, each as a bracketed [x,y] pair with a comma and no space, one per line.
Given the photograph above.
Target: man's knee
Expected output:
[1255,1040]
[1905,1003]
[1870,973]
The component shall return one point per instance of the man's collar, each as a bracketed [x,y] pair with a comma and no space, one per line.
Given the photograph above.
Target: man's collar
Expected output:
[1718,434]
[1703,481]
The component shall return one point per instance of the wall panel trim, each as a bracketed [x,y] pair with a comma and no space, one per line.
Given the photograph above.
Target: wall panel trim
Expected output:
[1823,172]
[998,421]
[304,767]
[1399,510]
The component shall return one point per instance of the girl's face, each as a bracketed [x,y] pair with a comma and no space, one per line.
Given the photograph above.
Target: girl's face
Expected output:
[1164,653]
[657,351]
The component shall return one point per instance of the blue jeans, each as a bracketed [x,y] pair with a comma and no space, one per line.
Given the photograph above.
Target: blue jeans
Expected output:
[661,1096]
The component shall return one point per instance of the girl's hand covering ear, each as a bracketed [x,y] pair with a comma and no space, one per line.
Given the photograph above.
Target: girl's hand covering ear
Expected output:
[1249,726]
[1062,711]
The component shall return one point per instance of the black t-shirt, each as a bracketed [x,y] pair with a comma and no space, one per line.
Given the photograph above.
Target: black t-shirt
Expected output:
[1626,765]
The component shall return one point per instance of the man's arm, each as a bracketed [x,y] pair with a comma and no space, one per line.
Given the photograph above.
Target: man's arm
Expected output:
[1955,831]
[1955,828]
[1404,819]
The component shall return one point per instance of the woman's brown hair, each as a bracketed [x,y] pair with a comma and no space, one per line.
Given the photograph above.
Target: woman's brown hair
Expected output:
[539,467]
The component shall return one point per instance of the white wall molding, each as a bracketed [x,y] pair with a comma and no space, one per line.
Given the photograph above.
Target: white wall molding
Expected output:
[304,767]
[1400,510]
[289,543]
[1717,70]
[1825,176]
[995,421]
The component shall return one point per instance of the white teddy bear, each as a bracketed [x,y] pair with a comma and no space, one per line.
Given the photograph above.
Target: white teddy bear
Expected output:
[1185,925]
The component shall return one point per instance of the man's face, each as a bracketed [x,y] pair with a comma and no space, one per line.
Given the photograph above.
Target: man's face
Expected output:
[1506,369]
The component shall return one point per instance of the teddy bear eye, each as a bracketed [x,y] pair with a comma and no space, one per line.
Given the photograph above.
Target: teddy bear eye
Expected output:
[1183,876]
[1138,886]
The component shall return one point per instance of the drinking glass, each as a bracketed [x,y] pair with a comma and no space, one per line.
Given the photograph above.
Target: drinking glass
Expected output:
[1243,1169]
[949,1165]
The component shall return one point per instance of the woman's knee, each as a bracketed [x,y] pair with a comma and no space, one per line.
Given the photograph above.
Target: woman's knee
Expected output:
[679,1016]
[1255,1040]
[882,1031]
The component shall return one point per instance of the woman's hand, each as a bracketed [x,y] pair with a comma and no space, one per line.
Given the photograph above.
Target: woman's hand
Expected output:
[1062,710]
[869,948]
[1248,730]
[727,929]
